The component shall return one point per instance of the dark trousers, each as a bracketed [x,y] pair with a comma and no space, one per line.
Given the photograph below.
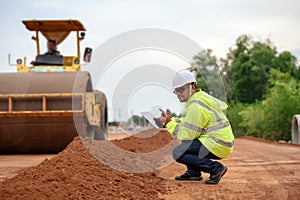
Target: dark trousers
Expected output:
[196,157]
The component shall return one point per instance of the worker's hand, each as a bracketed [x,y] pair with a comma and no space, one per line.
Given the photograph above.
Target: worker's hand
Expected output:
[167,116]
[163,120]
[160,121]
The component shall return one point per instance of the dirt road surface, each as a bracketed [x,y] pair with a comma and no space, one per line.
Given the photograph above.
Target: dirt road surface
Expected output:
[11,164]
[257,169]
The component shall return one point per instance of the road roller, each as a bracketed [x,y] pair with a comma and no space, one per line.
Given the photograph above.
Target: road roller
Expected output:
[45,104]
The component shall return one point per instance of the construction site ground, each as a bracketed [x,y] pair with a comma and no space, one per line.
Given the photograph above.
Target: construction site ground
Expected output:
[257,169]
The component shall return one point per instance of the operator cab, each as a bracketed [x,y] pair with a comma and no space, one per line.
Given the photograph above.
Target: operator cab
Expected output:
[49,60]
[58,31]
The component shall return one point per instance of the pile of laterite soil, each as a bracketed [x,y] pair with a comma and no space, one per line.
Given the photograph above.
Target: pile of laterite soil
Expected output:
[75,174]
[145,141]
[147,151]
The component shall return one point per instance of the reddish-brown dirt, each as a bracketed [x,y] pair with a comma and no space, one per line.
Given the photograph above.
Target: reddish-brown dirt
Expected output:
[11,164]
[75,174]
[257,169]
[145,141]
[146,151]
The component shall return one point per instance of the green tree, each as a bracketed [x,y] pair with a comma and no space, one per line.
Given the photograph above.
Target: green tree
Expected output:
[253,120]
[208,74]
[136,121]
[271,118]
[235,119]
[247,66]
[239,50]
[262,86]
[287,63]
[281,104]
[250,71]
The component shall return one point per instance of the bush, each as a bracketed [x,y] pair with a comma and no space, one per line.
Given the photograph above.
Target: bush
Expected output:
[253,120]
[281,104]
[235,119]
[272,117]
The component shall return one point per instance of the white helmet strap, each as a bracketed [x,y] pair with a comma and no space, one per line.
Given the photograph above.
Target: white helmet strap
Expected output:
[190,90]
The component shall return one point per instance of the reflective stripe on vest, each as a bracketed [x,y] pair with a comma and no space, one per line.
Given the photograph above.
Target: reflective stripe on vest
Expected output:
[175,133]
[206,130]
[226,144]
[208,108]
[218,126]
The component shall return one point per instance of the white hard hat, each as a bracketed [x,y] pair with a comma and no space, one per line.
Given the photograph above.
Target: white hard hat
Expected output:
[183,77]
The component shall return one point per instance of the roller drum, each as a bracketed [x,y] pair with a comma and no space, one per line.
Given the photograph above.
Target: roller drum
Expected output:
[24,131]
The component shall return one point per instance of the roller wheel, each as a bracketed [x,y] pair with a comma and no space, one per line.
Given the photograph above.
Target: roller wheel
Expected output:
[101,132]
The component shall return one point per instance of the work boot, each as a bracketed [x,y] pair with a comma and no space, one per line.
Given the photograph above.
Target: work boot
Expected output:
[216,177]
[186,176]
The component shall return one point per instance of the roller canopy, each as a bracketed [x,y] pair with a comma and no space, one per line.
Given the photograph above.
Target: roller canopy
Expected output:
[53,25]
[56,30]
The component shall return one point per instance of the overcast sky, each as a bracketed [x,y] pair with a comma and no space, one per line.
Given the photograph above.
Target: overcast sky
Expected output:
[211,24]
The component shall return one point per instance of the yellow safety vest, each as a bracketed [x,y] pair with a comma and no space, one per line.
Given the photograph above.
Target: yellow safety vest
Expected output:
[204,119]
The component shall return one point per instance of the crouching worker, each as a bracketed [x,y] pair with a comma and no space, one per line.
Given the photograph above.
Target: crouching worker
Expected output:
[204,130]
